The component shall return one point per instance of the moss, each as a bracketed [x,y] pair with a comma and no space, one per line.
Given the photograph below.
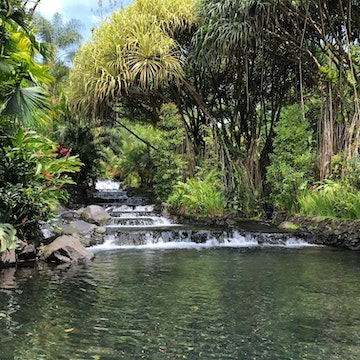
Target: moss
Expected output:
[289,226]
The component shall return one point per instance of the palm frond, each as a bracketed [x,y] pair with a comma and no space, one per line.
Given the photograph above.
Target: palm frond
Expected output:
[29,105]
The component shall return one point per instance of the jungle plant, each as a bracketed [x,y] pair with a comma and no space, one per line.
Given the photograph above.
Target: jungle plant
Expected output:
[80,135]
[8,239]
[126,154]
[167,157]
[199,197]
[331,199]
[33,171]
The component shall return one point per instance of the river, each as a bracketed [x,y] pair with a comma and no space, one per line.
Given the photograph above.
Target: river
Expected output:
[186,303]
[157,290]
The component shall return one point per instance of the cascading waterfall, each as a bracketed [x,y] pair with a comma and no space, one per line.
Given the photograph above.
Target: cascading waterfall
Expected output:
[136,224]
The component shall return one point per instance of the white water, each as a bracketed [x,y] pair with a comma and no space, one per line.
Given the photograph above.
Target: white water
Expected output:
[107,185]
[123,209]
[237,241]
[139,227]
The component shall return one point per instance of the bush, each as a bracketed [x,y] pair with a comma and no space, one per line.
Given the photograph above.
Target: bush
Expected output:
[8,239]
[334,200]
[33,171]
[168,162]
[198,197]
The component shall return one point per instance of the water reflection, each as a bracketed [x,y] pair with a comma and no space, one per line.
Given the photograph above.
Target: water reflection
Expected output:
[171,304]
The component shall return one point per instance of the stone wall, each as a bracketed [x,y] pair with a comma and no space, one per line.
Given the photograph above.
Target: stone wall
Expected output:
[337,233]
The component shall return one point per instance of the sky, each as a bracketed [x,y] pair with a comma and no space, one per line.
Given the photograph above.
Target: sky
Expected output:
[87,11]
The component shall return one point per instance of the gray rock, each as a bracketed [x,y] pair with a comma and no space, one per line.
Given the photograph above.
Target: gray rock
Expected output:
[66,249]
[100,230]
[69,215]
[94,214]
[78,227]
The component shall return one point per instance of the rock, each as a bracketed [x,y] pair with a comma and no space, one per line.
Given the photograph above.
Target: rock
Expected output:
[78,227]
[338,233]
[7,258]
[66,249]
[287,225]
[100,230]
[69,215]
[94,214]
[27,253]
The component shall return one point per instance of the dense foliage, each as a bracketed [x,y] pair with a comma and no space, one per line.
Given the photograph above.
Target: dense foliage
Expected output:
[259,97]
[231,67]
[33,168]
[33,171]
[199,197]
[292,161]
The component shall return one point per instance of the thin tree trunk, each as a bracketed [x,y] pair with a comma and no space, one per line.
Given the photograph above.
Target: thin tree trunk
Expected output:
[137,136]
[327,138]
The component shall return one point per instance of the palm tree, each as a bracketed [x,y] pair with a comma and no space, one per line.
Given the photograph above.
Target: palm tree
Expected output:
[63,38]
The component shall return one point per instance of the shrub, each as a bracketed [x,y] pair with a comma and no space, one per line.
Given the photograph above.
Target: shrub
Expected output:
[198,197]
[334,200]
[168,161]
[8,239]
[33,171]
[292,162]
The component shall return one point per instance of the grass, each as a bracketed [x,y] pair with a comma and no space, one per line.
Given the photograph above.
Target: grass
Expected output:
[333,200]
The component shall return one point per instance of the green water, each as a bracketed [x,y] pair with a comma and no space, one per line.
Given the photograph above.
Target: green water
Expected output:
[221,303]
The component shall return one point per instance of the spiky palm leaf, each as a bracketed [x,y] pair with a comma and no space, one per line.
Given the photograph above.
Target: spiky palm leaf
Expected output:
[29,105]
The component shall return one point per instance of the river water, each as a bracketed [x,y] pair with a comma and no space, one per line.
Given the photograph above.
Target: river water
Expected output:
[195,303]
[165,299]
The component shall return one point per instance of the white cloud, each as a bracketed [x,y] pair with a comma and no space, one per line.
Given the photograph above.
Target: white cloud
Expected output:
[49,7]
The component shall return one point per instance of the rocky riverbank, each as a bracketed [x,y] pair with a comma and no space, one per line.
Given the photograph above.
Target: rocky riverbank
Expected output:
[64,240]
[343,234]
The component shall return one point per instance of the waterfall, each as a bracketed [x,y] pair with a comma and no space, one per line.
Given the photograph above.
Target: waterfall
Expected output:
[136,224]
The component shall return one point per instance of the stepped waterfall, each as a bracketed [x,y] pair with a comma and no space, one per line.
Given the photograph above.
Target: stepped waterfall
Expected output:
[135,223]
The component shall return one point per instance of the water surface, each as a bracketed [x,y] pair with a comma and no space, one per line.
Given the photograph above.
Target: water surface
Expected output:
[186,303]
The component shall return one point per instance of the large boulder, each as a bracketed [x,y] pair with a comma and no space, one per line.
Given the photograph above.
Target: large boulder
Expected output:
[94,214]
[88,234]
[66,249]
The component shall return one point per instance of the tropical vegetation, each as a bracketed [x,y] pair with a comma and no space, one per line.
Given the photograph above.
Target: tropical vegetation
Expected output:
[245,77]
[33,171]
[242,105]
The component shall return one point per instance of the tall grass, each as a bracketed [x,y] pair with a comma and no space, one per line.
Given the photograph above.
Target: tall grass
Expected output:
[334,200]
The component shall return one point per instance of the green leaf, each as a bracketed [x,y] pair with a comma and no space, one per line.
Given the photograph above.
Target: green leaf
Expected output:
[7,237]
[38,169]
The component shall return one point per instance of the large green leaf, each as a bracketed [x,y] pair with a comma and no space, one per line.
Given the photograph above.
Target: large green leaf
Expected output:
[7,237]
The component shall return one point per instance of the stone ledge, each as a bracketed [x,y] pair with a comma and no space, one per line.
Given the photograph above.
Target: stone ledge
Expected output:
[338,233]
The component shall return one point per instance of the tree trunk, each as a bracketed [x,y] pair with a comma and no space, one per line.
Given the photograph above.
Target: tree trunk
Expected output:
[327,137]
